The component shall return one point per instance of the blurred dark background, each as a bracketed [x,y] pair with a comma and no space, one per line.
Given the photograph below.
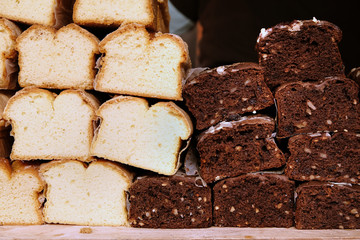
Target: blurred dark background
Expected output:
[222,32]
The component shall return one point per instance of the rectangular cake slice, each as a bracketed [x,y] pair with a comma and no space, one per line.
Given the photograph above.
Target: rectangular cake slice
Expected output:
[254,200]
[324,157]
[300,50]
[178,201]
[308,107]
[226,92]
[321,205]
[243,146]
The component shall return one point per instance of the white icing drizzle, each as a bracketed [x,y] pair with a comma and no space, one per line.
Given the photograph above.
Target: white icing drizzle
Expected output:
[315,20]
[226,124]
[221,70]
[295,27]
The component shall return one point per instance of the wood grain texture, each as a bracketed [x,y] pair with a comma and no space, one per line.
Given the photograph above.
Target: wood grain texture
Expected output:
[84,232]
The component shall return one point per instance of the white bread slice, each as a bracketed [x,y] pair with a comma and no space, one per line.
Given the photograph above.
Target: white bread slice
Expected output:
[46,126]
[142,64]
[93,195]
[55,13]
[154,14]
[20,187]
[8,55]
[59,59]
[133,133]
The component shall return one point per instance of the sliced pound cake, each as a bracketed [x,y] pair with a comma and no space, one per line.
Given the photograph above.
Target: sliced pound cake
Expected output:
[20,187]
[60,59]
[56,13]
[85,195]
[140,63]
[8,55]
[133,133]
[46,126]
[154,14]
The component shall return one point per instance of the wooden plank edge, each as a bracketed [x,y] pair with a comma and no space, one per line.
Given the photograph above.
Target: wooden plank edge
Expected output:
[85,232]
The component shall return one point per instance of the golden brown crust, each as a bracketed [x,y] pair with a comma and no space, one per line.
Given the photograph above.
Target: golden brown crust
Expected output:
[23,168]
[9,76]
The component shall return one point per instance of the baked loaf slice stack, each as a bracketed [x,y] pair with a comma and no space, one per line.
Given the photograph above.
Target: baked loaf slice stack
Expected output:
[324,157]
[226,92]
[326,205]
[46,126]
[65,58]
[20,187]
[243,146]
[133,133]
[55,13]
[140,63]
[299,51]
[8,55]
[85,195]
[254,200]
[170,202]
[154,14]
[308,107]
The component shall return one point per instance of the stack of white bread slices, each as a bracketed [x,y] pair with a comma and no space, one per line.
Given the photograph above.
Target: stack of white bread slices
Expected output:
[67,143]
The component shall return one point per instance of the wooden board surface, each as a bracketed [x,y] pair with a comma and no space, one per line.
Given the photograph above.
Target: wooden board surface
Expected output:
[81,232]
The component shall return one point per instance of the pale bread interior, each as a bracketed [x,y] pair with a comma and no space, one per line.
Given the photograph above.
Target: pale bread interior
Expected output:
[132,133]
[48,127]
[93,195]
[29,11]
[137,63]
[19,192]
[60,60]
[114,11]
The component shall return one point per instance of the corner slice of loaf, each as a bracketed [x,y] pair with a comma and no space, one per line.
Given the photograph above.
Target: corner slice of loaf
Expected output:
[20,188]
[136,62]
[46,126]
[55,13]
[85,195]
[133,133]
[8,55]
[154,14]
[59,59]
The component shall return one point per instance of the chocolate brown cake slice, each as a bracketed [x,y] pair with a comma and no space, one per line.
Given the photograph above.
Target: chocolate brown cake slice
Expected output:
[254,200]
[300,50]
[330,105]
[322,205]
[178,201]
[324,157]
[243,146]
[226,92]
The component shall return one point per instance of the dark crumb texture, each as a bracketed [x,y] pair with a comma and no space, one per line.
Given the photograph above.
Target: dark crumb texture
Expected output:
[233,148]
[330,105]
[300,50]
[169,202]
[254,200]
[226,92]
[325,158]
[327,206]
